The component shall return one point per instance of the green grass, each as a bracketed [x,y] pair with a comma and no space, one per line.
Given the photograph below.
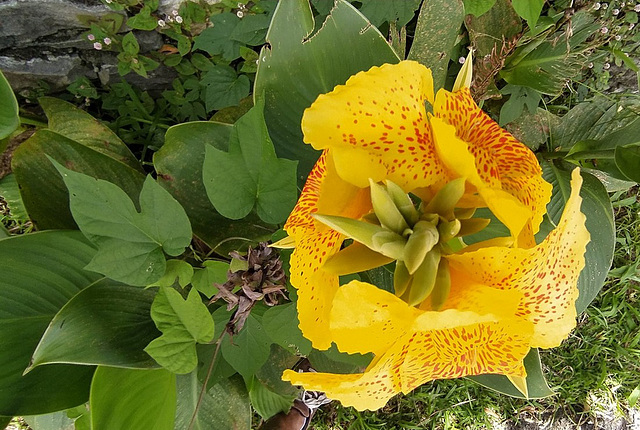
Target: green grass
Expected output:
[593,372]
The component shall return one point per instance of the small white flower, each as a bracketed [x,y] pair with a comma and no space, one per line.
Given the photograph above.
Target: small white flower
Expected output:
[241,5]
[107,41]
[179,19]
[606,66]
[169,18]
[91,37]
[161,23]
[596,6]
[618,37]
[174,12]
[590,65]
[605,5]
[97,45]
[622,5]
[461,60]
[109,1]
[615,11]
[604,30]
[631,26]
[637,8]
[240,14]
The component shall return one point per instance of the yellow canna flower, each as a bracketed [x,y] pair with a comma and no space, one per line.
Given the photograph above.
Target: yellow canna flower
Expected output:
[487,307]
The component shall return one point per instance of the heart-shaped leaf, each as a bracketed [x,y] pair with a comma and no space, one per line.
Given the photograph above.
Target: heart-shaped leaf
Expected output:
[130,243]
[250,174]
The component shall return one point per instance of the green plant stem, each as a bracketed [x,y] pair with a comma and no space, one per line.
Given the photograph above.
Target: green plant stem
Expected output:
[35,122]
[146,121]
[206,380]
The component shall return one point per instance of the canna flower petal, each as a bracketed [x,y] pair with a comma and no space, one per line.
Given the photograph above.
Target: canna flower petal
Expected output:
[493,303]
[429,345]
[501,161]
[377,127]
[546,275]
[315,243]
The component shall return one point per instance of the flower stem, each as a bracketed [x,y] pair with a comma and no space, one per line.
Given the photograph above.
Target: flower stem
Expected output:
[206,380]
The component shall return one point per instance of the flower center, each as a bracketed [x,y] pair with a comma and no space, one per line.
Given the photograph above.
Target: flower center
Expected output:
[417,237]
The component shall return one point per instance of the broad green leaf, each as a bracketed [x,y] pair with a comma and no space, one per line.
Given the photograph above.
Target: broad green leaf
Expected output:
[493,230]
[438,20]
[251,30]
[176,270]
[267,402]
[250,174]
[536,383]
[77,125]
[533,129]
[179,166]
[53,421]
[4,232]
[213,272]
[270,374]
[224,87]
[224,406]
[529,10]
[591,120]
[477,7]
[548,66]
[105,324]
[248,350]
[40,273]
[628,161]
[43,191]
[295,69]
[596,205]
[9,119]
[221,369]
[130,243]
[215,39]
[281,324]
[183,323]
[379,12]
[10,193]
[488,30]
[132,399]
[334,361]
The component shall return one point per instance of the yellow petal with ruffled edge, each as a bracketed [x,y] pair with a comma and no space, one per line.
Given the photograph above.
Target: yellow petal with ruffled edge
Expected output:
[437,345]
[367,319]
[500,158]
[546,275]
[376,124]
[315,243]
[456,154]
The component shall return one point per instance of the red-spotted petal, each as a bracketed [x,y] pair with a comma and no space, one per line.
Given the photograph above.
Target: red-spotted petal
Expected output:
[501,160]
[437,345]
[376,126]
[546,275]
[315,243]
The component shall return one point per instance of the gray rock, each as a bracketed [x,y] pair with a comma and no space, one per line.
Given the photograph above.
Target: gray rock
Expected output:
[58,71]
[43,40]
[29,22]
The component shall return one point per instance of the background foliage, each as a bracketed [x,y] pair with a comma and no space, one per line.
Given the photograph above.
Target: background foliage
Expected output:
[165,184]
